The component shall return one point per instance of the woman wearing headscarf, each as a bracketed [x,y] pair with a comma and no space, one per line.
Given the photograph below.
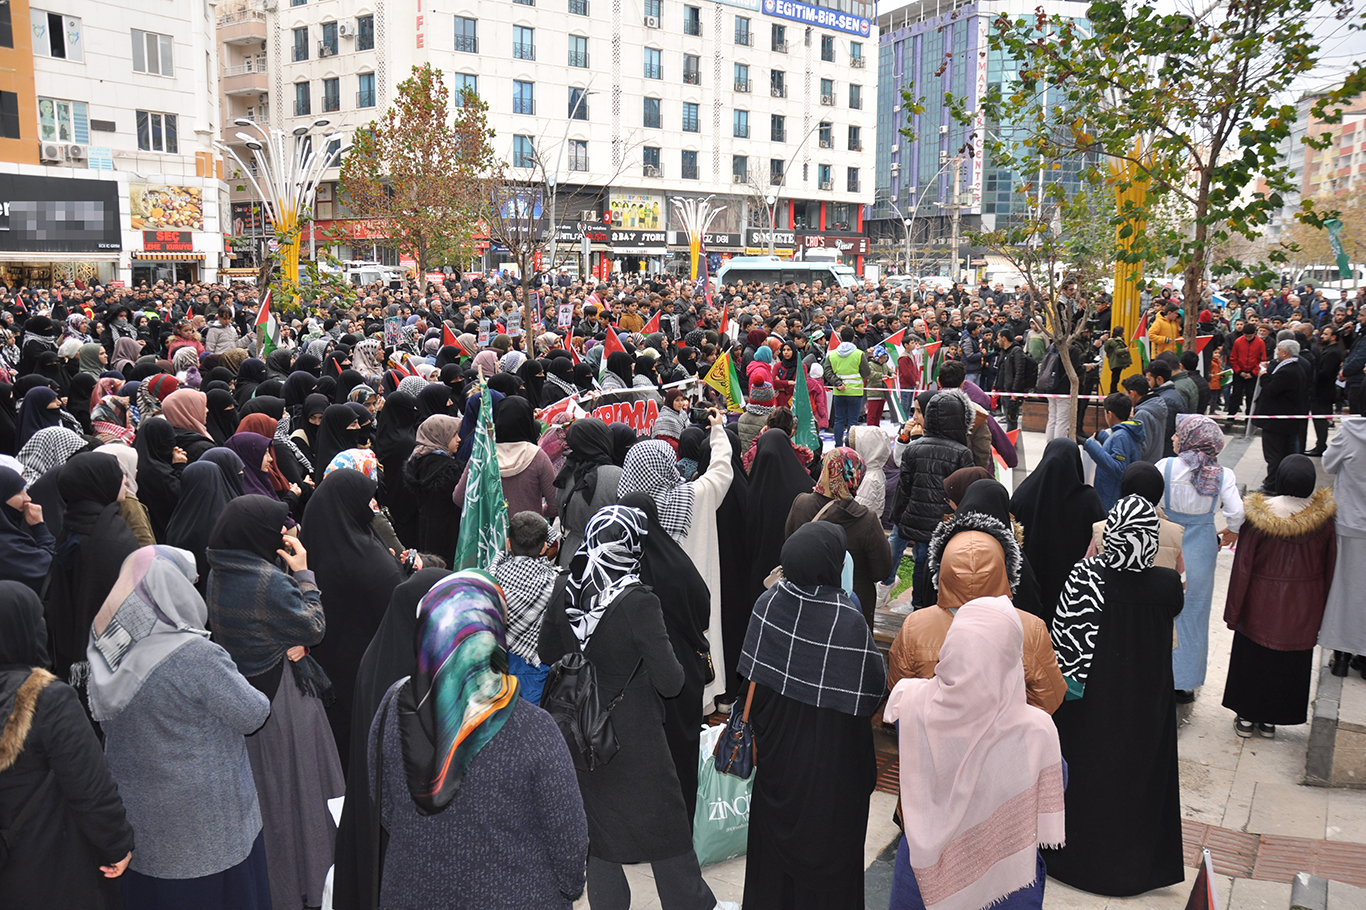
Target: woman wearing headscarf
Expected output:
[786,375]
[160,463]
[310,364]
[1287,551]
[221,421]
[1145,480]
[76,841]
[528,477]
[1196,486]
[260,475]
[26,544]
[486,363]
[204,494]
[305,434]
[982,788]
[432,474]
[49,448]
[454,747]
[41,409]
[956,484]
[833,501]
[620,371]
[9,424]
[1113,637]
[111,417]
[623,438]
[78,400]
[388,658]
[175,712]
[339,431]
[635,808]
[532,374]
[278,364]
[290,467]
[587,481]
[687,510]
[559,381]
[1056,507]
[366,358]
[250,374]
[126,351]
[154,390]
[874,446]
[816,677]
[434,398]
[356,574]
[267,619]
[395,438]
[347,381]
[297,388]
[365,420]
[187,410]
[131,508]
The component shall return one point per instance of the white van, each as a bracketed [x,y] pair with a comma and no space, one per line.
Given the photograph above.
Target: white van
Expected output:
[774,271]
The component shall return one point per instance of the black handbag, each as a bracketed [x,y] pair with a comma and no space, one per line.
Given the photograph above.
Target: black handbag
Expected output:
[736,752]
[571,698]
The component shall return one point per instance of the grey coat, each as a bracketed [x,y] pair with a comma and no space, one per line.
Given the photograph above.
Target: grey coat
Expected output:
[574,515]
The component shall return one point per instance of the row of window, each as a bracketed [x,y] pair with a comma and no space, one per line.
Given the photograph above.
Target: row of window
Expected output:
[331,100]
[63,120]
[328,44]
[60,36]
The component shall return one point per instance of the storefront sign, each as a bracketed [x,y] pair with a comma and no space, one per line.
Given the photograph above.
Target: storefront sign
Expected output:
[635,239]
[167,242]
[59,215]
[709,240]
[248,218]
[819,16]
[636,211]
[855,244]
[755,237]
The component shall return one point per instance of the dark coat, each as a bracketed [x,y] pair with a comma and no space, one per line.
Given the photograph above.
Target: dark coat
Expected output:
[925,465]
[634,803]
[1283,392]
[1010,372]
[432,479]
[864,541]
[78,823]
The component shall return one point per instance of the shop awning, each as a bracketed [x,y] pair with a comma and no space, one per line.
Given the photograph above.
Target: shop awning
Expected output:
[169,257]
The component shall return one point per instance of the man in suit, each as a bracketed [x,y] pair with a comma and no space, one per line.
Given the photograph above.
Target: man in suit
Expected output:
[1284,391]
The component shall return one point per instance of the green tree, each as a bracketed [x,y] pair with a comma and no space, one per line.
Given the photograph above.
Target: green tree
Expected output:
[420,170]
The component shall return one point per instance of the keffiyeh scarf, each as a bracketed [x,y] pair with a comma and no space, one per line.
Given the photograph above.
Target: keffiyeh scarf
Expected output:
[608,562]
[46,449]
[651,467]
[528,583]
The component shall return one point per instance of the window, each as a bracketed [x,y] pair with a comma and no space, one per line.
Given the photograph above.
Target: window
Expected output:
[775,171]
[778,38]
[692,20]
[466,36]
[856,97]
[578,7]
[827,92]
[329,43]
[365,95]
[652,116]
[654,8]
[825,134]
[828,48]
[739,168]
[9,113]
[578,155]
[63,121]
[152,53]
[297,2]
[689,165]
[460,82]
[692,69]
[777,83]
[741,124]
[689,117]
[852,183]
[652,165]
[823,176]
[7,40]
[654,69]
[333,153]
[777,128]
[523,97]
[525,2]
[856,54]
[523,42]
[578,104]
[158,133]
[365,33]
[578,50]
[332,94]
[300,45]
[855,139]
[742,77]
[742,32]
[303,104]
[55,35]
[523,152]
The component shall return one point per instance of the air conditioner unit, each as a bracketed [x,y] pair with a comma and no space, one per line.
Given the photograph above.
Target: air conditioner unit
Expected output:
[75,153]
[896,107]
[589,215]
[827,185]
[896,148]
[346,29]
[858,63]
[269,5]
[828,100]
[896,168]
[49,151]
[943,131]
[652,22]
[651,171]
[737,178]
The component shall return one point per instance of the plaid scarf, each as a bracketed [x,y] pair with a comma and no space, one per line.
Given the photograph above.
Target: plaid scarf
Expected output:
[528,583]
[651,467]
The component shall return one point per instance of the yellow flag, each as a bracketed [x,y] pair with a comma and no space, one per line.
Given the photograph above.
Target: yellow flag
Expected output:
[723,378]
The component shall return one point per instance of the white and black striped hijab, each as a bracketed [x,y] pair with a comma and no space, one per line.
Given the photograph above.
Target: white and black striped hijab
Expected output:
[606,564]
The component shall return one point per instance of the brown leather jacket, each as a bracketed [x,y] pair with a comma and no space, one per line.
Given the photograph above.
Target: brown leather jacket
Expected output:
[974,566]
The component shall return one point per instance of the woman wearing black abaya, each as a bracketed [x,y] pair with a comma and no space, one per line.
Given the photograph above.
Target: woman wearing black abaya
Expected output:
[277,364]
[587,481]
[395,437]
[298,387]
[159,467]
[432,473]
[9,426]
[41,410]
[1057,508]
[533,381]
[559,381]
[734,555]
[347,381]
[78,400]
[818,677]
[388,658]
[305,435]
[222,416]
[90,552]
[686,602]
[1113,638]
[357,576]
[991,498]
[250,374]
[434,398]
[337,433]
[623,437]
[307,363]
[776,479]
[204,493]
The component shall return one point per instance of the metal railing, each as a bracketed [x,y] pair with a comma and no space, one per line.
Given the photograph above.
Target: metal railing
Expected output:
[524,51]
[778,135]
[742,86]
[253,65]
[365,99]
[578,162]
[744,38]
[523,105]
[780,47]
[467,44]
[578,7]
[692,27]
[826,143]
[332,102]
[692,78]
[241,15]
[742,132]
[578,58]
[654,70]
[778,91]
[303,107]
[689,172]
[858,63]
[654,170]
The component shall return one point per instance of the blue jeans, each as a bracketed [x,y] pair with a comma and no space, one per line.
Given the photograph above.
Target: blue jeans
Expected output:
[898,549]
[920,577]
[844,411]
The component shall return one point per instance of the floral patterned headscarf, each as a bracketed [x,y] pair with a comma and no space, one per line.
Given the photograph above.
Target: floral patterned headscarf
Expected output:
[1201,440]
[841,474]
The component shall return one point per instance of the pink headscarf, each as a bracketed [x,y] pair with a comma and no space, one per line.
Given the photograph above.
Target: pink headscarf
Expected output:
[187,409]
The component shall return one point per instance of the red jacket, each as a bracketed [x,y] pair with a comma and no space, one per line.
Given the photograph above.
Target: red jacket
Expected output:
[1247,354]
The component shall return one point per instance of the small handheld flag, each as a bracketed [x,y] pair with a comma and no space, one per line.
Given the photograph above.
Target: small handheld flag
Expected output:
[723,378]
[807,433]
[653,325]
[609,347]
[267,328]
[448,338]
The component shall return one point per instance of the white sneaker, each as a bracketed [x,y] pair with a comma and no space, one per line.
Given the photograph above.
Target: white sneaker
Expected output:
[727,905]
[884,595]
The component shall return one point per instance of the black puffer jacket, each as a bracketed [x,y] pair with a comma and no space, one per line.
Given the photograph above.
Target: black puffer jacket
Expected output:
[925,465]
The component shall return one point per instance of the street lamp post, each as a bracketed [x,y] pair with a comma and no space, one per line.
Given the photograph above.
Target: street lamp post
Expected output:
[697,215]
[771,200]
[552,179]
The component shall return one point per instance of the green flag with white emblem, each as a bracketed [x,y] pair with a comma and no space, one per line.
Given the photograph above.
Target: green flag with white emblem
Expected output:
[484,521]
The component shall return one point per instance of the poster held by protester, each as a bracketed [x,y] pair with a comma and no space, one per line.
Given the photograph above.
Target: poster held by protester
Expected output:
[565,315]
[393,331]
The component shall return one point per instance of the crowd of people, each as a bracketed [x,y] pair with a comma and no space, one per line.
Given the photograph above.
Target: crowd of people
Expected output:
[230,591]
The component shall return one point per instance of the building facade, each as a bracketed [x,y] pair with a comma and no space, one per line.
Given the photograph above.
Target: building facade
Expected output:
[621,108]
[108,111]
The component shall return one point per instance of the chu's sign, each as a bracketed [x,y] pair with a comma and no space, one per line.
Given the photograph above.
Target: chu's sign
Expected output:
[819,16]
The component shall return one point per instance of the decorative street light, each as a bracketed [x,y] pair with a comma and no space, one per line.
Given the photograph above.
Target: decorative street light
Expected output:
[696,215]
[287,179]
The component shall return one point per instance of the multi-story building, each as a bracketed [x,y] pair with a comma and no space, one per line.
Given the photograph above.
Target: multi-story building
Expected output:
[1337,169]
[621,110]
[107,115]
[931,48]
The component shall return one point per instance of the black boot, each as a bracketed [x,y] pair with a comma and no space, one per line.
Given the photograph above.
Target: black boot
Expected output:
[1359,664]
[1341,662]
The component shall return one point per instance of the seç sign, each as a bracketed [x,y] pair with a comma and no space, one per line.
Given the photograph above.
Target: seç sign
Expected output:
[167,242]
[59,215]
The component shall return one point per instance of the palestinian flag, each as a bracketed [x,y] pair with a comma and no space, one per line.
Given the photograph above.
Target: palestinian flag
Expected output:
[808,434]
[723,378]
[1144,355]
[653,325]
[894,400]
[484,520]
[567,405]
[834,342]
[1223,379]
[448,338]
[267,328]
[725,321]
[933,360]
[609,347]
[893,344]
[1141,330]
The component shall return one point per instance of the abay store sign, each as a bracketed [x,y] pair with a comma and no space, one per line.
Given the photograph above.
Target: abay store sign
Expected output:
[820,16]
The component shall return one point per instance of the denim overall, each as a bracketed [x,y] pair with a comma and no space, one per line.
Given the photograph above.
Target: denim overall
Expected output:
[1200,548]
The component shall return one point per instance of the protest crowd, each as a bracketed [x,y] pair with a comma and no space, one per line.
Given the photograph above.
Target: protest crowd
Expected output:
[489,582]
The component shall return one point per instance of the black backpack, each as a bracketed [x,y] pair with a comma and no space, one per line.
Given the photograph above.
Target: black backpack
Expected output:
[1049,373]
[1029,372]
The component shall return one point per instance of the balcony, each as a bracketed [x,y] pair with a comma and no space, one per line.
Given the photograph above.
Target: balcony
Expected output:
[742,86]
[856,146]
[303,107]
[578,162]
[744,38]
[780,47]
[692,78]
[742,132]
[778,135]
[365,99]
[654,71]
[524,51]
[692,27]
[654,170]
[578,58]
[523,106]
[467,44]
[578,7]
[827,143]
[242,26]
[858,63]
[689,172]
[778,91]
[852,186]
[247,78]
